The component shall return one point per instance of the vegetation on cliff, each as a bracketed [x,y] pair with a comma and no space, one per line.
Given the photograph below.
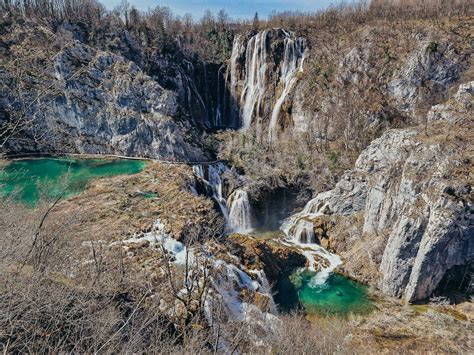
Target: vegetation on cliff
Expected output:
[141,263]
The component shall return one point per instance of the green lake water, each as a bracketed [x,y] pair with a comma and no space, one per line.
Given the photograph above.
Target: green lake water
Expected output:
[28,179]
[337,296]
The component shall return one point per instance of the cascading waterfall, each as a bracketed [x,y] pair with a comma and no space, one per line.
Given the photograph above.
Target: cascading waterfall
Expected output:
[293,59]
[237,210]
[299,231]
[214,180]
[256,77]
[234,108]
[240,212]
[257,89]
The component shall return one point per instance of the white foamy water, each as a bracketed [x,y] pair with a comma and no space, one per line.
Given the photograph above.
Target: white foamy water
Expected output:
[300,233]
[256,77]
[293,59]
[259,64]
[240,212]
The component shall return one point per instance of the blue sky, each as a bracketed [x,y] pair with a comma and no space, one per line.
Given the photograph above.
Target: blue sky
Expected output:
[235,8]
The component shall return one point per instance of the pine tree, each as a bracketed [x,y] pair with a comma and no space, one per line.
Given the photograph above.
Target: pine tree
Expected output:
[256,22]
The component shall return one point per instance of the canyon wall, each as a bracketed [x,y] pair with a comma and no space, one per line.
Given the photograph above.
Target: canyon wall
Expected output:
[71,97]
[406,210]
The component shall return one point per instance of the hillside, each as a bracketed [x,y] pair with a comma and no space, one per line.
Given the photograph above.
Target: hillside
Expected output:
[307,171]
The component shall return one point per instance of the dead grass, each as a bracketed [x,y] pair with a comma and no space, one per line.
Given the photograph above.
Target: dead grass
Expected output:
[121,206]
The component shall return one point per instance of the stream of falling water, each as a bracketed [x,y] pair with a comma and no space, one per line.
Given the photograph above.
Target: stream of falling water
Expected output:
[293,59]
[300,233]
[258,70]
[237,210]
[256,77]
[240,212]
[214,181]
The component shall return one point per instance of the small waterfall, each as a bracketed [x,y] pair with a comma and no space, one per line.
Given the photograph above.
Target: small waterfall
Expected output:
[256,77]
[300,232]
[299,226]
[214,181]
[236,210]
[240,212]
[293,59]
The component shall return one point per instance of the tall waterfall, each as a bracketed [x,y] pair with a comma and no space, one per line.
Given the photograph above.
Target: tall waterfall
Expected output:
[240,212]
[234,107]
[293,59]
[256,77]
[264,82]
[300,232]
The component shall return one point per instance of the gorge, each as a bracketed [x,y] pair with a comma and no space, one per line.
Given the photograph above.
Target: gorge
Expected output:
[228,183]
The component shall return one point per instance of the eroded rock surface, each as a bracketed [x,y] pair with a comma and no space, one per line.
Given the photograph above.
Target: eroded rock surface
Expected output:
[86,100]
[413,189]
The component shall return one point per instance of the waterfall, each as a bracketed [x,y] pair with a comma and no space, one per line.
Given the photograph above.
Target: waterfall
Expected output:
[236,210]
[258,94]
[300,232]
[293,59]
[239,212]
[234,109]
[256,77]
[214,181]
[299,226]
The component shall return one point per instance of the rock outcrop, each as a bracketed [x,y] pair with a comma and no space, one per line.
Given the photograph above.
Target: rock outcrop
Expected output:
[427,73]
[91,101]
[458,108]
[413,189]
[275,260]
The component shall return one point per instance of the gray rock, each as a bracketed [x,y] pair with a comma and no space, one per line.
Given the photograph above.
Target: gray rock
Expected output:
[407,187]
[433,68]
[458,109]
[109,106]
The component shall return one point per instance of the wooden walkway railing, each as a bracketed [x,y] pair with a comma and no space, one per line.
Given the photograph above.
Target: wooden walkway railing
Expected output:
[115,156]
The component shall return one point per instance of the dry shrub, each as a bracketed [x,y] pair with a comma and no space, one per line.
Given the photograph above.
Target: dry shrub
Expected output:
[324,336]
[68,302]
[299,160]
[52,302]
[56,298]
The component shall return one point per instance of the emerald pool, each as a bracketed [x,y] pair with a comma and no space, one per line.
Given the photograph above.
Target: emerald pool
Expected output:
[28,179]
[338,295]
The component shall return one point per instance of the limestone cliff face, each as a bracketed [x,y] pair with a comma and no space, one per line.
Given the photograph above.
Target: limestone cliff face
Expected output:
[93,101]
[370,79]
[425,75]
[413,189]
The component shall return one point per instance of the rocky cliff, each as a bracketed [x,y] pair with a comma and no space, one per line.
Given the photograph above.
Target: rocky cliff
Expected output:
[82,99]
[283,83]
[406,209]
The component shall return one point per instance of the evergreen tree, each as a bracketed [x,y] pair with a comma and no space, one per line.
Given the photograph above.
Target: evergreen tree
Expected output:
[256,22]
